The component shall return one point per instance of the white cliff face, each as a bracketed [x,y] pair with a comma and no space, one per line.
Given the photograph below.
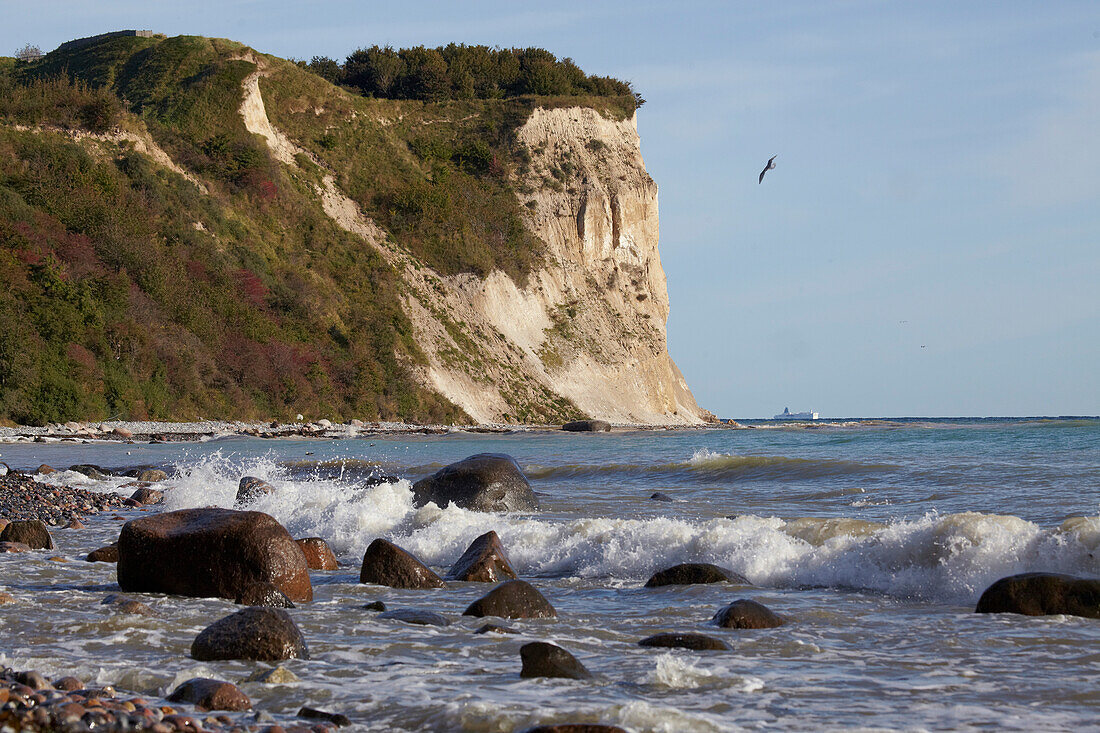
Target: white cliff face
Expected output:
[586,334]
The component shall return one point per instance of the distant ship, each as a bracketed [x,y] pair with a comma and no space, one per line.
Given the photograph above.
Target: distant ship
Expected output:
[788,415]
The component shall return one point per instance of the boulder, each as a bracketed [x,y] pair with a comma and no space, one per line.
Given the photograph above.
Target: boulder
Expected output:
[104,554]
[207,694]
[6,547]
[416,616]
[251,488]
[33,679]
[541,659]
[122,604]
[210,553]
[696,642]
[1042,594]
[374,606]
[152,475]
[31,532]
[746,614]
[45,470]
[6,598]
[123,432]
[274,676]
[512,599]
[384,563]
[495,629]
[575,728]
[4,523]
[91,471]
[263,594]
[338,719]
[658,496]
[147,497]
[587,426]
[487,482]
[691,573]
[264,634]
[68,684]
[318,555]
[483,562]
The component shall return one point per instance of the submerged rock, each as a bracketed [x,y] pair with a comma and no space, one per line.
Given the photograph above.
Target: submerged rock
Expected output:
[541,659]
[264,634]
[696,642]
[6,547]
[486,482]
[587,426]
[658,496]
[384,563]
[746,614]
[338,719]
[374,606]
[691,573]
[575,728]
[97,473]
[318,554]
[416,616]
[1042,594]
[263,594]
[210,553]
[512,599]
[250,489]
[104,554]
[484,561]
[32,533]
[122,604]
[207,694]
[274,676]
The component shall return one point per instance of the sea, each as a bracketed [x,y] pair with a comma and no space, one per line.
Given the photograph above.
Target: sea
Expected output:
[872,538]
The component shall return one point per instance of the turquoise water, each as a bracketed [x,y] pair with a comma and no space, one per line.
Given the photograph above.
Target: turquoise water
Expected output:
[874,540]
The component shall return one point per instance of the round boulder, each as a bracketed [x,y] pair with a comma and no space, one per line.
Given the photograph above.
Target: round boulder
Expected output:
[587,426]
[251,488]
[207,694]
[512,599]
[746,614]
[541,659]
[318,554]
[483,562]
[147,496]
[696,642]
[152,475]
[487,482]
[263,594]
[31,532]
[384,563]
[210,553]
[6,547]
[1042,594]
[104,554]
[264,634]
[691,573]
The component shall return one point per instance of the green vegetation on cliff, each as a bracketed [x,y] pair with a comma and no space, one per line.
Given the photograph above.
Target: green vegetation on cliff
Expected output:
[128,290]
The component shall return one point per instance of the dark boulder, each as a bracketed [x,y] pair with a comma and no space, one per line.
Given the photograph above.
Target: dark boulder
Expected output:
[33,679]
[147,496]
[374,606]
[512,599]
[416,616]
[104,554]
[210,553]
[487,482]
[483,562]
[746,614]
[318,554]
[263,594]
[251,488]
[338,719]
[587,426]
[31,532]
[697,642]
[495,629]
[541,659]
[97,473]
[691,573]
[207,694]
[1042,594]
[658,496]
[264,634]
[384,563]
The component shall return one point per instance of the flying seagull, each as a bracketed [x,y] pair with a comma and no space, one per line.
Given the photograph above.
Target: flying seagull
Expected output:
[768,167]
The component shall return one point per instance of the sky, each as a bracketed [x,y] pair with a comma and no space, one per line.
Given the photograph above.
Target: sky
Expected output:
[929,242]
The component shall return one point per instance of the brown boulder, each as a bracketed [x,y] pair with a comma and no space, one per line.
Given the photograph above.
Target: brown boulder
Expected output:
[210,553]
[251,488]
[14,547]
[207,694]
[512,599]
[691,573]
[6,598]
[122,604]
[696,642]
[104,554]
[318,554]
[263,594]
[1042,594]
[31,532]
[384,563]
[264,634]
[483,562]
[152,475]
[746,614]
[3,523]
[541,659]
[68,684]
[486,482]
[575,728]
[147,497]
[45,470]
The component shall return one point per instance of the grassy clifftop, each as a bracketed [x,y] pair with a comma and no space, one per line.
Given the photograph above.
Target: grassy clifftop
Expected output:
[130,290]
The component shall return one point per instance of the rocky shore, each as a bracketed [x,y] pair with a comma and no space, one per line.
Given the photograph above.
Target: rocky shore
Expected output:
[22,499]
